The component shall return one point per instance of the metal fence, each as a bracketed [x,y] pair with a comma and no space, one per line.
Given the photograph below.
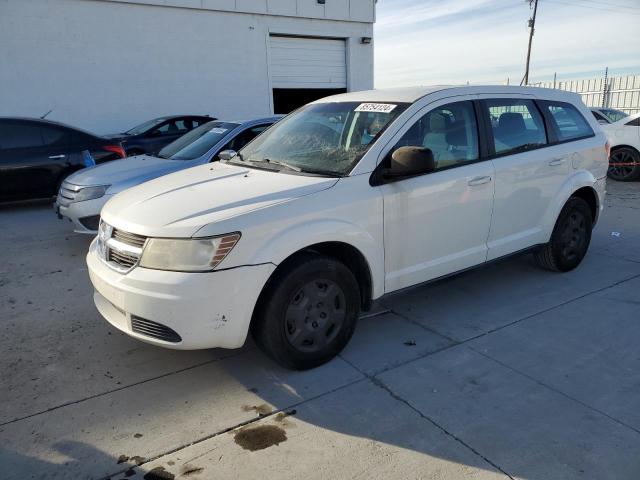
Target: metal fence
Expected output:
[622,93]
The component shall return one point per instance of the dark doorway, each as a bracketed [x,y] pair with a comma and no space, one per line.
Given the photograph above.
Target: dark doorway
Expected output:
[286,100]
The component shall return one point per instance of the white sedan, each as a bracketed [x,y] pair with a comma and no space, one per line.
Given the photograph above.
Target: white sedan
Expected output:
[624,138]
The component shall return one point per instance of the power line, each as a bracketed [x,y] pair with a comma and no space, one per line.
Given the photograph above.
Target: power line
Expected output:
[631,11]
[609,4]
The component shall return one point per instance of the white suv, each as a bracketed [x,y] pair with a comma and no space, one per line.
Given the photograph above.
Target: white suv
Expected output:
[347,199]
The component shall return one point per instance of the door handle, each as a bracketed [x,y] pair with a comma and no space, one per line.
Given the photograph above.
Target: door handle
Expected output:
[479,181]
[557,161]
[56,157]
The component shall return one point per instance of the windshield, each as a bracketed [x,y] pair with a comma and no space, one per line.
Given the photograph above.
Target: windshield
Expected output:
[143,127]
[322,138]
[613,115]
[197,142]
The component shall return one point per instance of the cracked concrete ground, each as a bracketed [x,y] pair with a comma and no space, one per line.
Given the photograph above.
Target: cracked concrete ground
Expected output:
[504,372]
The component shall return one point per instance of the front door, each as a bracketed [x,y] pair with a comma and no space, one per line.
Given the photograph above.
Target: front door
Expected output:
[438,223]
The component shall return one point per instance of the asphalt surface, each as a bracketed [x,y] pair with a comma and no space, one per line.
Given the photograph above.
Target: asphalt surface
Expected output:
[507,371]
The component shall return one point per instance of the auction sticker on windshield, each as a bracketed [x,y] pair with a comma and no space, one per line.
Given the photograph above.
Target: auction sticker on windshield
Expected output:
[217,130]
[375,107]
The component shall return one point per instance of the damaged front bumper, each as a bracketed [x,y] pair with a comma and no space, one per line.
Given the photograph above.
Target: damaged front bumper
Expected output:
[185,311]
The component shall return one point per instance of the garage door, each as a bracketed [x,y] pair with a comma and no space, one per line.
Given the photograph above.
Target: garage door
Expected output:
[297,62]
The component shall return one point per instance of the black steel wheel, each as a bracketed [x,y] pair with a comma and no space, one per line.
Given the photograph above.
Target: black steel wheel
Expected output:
[570,238]
[624,164]
[315,315]
[307,312]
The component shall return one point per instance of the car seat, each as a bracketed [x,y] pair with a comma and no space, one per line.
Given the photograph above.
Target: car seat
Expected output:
[436,138]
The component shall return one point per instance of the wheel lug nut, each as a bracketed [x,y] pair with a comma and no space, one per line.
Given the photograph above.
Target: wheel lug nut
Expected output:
[314,324]
[323,315]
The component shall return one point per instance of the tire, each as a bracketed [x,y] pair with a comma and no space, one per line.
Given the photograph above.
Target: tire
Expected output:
[307,311]
[570,238]
[624,164]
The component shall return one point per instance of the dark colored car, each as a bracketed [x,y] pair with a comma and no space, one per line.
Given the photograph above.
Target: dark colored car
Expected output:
[149,137]
[36,155]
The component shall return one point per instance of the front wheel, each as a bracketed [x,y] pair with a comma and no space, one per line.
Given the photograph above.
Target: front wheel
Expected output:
[570,238]
[307,312]
[624,164]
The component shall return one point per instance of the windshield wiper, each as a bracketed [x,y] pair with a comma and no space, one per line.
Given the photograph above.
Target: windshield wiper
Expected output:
[283,164]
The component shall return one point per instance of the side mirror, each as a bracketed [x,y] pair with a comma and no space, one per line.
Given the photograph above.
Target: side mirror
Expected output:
[410,161]
[227,154]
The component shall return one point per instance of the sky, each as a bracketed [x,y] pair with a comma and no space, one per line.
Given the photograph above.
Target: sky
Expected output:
[426,42]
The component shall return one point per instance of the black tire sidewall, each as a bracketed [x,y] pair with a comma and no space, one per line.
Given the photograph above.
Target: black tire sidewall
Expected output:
[269,328]
[560,261]
[635,173]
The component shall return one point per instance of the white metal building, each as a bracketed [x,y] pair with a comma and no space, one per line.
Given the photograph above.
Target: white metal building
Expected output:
[106,65]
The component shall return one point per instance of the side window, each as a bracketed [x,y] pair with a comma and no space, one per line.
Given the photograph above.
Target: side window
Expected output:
[168,128]
[53,136]
[516,124]
[634,123]
[245,137]
[184,125]
[19,135]
[569,122]
[450,132]
[600,118]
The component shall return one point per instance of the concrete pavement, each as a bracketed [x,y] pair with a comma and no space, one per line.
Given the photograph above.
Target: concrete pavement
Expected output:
[506,371]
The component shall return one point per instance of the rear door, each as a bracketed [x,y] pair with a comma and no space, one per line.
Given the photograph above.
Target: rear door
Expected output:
[529,172]
[56,161]
[30,157]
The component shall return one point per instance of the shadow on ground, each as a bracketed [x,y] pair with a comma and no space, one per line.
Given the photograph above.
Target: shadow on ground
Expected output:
[503,370]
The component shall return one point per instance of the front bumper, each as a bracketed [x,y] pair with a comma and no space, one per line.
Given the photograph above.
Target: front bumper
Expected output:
[77,211]
[206,310]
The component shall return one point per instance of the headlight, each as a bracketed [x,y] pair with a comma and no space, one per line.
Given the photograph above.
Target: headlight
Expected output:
[188,255]
[91,193]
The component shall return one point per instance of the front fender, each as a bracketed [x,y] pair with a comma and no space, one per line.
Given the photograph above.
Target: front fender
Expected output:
[285,243]
[577,181]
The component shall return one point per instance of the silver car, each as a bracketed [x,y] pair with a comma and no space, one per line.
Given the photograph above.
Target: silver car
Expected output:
[83,194]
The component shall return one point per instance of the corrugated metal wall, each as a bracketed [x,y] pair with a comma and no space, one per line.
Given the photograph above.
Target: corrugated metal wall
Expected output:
[622,92]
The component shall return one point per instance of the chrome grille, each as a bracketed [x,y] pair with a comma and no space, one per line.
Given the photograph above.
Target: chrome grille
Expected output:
[154,330]
[119,249]
[129,238]
[122,259]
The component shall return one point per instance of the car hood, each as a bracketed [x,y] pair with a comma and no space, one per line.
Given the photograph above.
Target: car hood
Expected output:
[178,205]
[126,173]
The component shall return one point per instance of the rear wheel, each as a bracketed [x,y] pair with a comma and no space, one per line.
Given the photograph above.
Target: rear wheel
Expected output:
[307,312]
[624,164]
[570,238]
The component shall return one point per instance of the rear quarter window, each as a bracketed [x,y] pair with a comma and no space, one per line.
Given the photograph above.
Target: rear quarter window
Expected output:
[568,121]
[55,136]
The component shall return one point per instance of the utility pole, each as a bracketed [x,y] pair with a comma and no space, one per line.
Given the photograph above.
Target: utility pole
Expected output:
[532,26]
